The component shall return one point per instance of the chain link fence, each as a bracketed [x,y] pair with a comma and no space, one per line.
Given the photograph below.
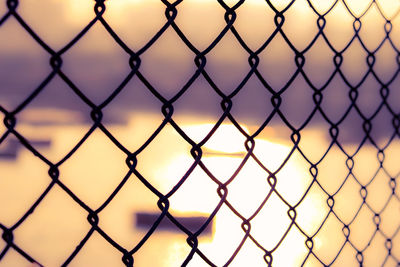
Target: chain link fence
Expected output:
[354,124]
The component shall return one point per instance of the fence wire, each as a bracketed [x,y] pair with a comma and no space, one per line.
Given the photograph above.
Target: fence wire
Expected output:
[227,102]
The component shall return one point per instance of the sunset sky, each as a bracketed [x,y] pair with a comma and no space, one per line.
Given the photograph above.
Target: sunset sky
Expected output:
[97,64]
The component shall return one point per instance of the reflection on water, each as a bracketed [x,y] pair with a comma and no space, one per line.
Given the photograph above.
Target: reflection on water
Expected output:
[56,227]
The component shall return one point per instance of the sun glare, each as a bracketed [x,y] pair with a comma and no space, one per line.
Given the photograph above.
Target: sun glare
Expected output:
[166,158]
[222,155]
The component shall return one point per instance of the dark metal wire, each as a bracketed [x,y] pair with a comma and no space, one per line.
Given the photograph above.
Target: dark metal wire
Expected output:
[227,102]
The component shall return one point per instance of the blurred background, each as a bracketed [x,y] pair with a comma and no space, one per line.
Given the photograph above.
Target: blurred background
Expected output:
[344,190]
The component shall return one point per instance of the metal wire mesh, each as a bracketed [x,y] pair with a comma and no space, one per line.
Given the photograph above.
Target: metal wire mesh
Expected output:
[227,102]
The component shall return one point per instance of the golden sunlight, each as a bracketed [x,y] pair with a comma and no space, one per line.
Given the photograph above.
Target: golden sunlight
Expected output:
[329,189]
[222,155]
